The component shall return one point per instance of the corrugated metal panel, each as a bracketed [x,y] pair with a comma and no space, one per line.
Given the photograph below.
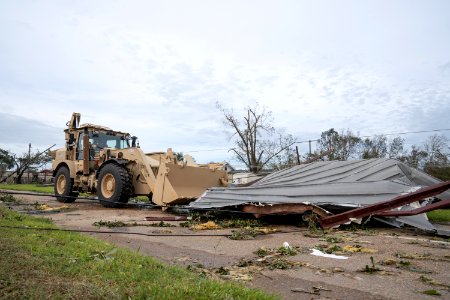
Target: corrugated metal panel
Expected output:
[345,183]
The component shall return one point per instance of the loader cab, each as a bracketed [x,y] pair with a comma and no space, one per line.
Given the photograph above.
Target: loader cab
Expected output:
[99,140]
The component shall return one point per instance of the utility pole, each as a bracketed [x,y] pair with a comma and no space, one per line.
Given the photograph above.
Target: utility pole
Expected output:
[309,148]
[298,155]
[28,162]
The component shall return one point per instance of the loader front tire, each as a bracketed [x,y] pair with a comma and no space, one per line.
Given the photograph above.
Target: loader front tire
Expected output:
[114,185]
[64,185]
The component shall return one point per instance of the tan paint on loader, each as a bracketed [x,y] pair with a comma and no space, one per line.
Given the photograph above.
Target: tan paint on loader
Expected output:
[99,160]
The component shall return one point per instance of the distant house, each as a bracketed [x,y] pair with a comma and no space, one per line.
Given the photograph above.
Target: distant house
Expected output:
[222,166]
[43,176]
[242,177]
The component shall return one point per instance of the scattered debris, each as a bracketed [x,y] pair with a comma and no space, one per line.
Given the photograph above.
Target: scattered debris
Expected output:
[358,248]
[404,265]
[284,209]
[333,239]
[102,255]
[244,234]
[235,273]
[265,230]
[431,281]
[7,198]
[109,224]
[352,189]
[45,207]
[371,269]
[113,224]
[315,290]
[162,231]
[262,251]
[206,226]
[320,253]
[166,218]
[224,222]
[268,252]
[287,250]
[279,263]
[160,224]
[431,293]
[329,249]
[424,256]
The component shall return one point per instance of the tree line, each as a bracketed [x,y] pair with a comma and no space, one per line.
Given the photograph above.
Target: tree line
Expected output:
[259,145]
[433,156]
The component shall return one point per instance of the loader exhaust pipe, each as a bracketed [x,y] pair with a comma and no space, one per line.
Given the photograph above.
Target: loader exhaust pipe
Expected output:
[86,152]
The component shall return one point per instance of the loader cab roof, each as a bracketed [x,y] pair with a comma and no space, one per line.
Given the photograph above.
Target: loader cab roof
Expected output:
[99,136]
[101,128]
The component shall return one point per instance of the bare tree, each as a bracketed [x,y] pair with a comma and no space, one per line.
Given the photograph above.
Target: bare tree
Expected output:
[415,158]
[286,158]
[256,141]
[438,160]
[437,148]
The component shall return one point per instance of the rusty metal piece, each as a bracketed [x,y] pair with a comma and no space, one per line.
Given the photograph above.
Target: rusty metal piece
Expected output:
[284,209]
[413,212]
[376,208]
[166,218]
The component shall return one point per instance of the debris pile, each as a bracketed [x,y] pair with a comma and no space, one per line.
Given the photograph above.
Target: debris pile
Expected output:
[385,189]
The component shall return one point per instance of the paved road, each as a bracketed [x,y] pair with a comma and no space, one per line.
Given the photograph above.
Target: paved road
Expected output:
[336,279]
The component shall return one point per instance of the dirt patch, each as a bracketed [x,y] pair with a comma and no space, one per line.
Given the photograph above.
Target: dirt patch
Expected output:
[405,262]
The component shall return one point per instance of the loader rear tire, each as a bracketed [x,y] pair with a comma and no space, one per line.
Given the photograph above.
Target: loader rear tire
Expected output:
[114,185]
[63,186]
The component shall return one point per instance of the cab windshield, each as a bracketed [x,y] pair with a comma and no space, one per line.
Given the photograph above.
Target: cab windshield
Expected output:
[102,140]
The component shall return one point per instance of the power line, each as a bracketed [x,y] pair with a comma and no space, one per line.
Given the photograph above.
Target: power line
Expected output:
[316,140]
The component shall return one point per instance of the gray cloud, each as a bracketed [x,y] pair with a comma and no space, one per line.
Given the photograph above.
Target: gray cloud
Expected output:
[16,132]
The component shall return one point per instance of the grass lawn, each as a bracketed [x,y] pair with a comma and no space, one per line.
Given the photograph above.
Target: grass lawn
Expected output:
[48,190]
[40,264]
[28,187]
[439,215]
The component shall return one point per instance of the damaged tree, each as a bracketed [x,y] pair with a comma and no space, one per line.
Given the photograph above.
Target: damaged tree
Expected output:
[28,161]
[438,158]
[257,142]
[6,161]
[338,146]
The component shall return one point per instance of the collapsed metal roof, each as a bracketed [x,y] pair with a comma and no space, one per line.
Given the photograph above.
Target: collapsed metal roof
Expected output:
[338,185]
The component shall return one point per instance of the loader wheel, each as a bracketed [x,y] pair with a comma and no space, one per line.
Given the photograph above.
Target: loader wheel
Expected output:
[114,185]
[63,186]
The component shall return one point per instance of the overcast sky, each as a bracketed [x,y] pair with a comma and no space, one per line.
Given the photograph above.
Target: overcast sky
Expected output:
[157,68]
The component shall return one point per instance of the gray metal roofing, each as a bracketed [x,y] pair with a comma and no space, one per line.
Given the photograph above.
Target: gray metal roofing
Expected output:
[345,183]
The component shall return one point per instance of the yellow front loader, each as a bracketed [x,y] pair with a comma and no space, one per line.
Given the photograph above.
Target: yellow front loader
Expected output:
[111,164]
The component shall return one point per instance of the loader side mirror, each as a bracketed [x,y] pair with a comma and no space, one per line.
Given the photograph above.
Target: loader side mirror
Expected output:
[133,141]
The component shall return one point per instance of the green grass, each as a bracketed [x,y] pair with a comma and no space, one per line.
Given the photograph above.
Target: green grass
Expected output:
[40,264]
[439,215]
[28,187]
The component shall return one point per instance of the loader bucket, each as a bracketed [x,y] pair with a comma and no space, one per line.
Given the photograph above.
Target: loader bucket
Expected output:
[177,184]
